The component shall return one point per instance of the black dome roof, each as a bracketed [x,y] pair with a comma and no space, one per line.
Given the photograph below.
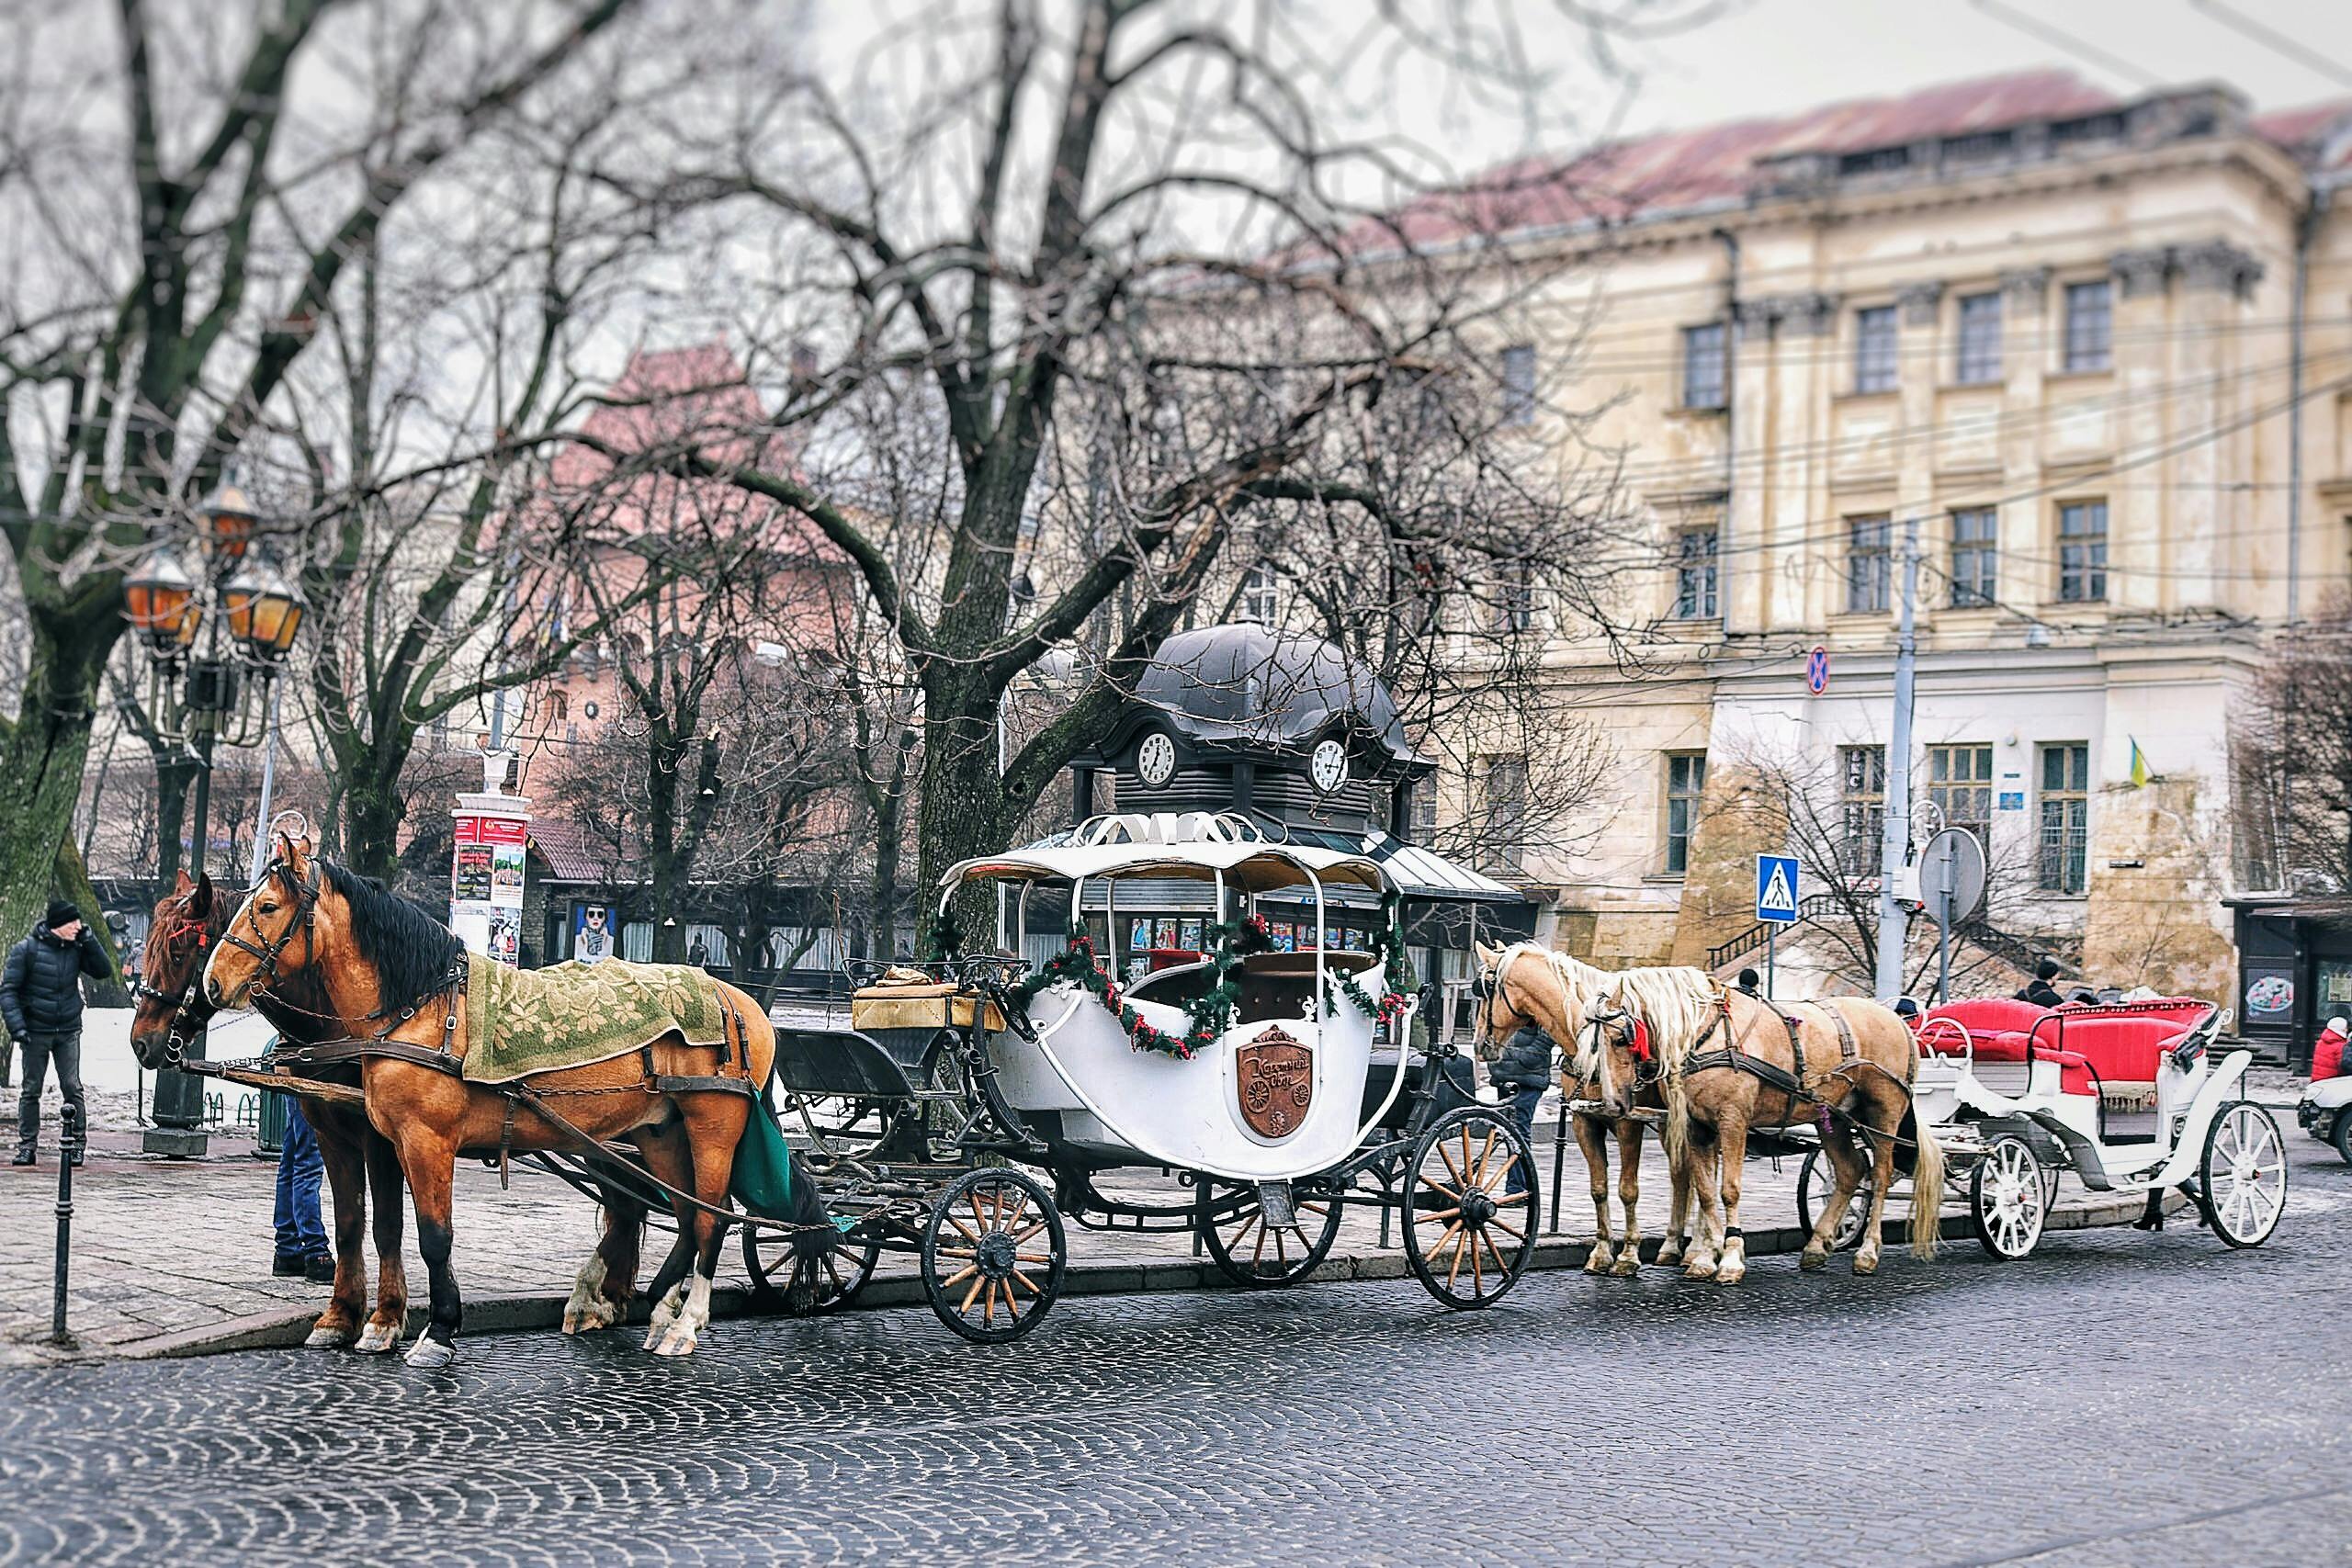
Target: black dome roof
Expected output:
[1245,685]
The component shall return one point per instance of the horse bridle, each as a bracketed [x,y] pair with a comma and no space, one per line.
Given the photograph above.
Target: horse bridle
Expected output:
[1613,1023]
[182,1002]
[306,901]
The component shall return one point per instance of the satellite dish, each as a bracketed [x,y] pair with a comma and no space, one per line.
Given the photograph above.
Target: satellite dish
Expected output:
[1951,875]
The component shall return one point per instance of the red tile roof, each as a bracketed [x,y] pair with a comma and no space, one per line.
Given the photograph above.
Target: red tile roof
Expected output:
[1711,165]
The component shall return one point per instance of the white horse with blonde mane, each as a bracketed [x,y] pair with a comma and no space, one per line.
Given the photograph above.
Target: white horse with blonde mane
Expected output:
[1725,1062]
[1527,984]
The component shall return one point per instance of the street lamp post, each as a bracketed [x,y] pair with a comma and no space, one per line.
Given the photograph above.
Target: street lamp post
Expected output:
[215,641]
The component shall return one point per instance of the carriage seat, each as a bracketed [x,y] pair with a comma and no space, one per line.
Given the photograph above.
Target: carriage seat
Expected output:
[909,998]
[1282,984]
[2127,1042]
[1180,986]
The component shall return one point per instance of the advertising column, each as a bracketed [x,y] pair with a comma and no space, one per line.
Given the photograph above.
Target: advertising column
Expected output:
[486,874]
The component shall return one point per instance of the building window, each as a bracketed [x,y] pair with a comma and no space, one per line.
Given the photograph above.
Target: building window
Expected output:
[1504,788]
[2065,818]
[1422,810]
[1519,384]
[1515,606]
[1702,365]
[1686,779]
[1959,784]
[1874,340]
[1867,563]
[558,706]
[2081,551]
[1259,598]
[1694,575]
[1980,339]
[1975,557]
[1861,807]
[2090,326]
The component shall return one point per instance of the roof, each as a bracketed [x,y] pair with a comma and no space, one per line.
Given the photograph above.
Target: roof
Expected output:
[1242,683]
[1716,165]
[1419,872]
[1194,846]
[570,855]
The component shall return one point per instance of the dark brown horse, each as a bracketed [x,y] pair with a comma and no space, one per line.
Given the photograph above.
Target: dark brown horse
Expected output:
[383,966]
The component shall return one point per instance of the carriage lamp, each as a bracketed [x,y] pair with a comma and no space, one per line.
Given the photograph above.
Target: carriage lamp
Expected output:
[228,520]
[159,600]
[264,611]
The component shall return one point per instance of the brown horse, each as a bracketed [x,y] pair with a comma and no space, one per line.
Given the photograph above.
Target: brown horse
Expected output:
[1726,1063]
[380,958]
[1523,985]
[170,1007]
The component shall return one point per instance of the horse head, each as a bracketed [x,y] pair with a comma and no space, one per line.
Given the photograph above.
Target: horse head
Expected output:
[1524,986]
[168,1006]
[1613,1053]
[275,933]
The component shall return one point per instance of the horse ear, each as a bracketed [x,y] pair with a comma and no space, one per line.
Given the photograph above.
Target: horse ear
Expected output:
[1487,956]
[294,852]
[199,902]
[182,884]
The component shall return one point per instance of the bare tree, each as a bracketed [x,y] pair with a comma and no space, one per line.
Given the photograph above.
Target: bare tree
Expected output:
[2293,758]
[183,194]
[990,308]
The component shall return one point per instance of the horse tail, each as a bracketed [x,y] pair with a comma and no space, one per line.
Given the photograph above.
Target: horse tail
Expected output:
[1927,1188]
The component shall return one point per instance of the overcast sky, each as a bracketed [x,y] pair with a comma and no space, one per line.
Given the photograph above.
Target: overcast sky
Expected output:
[1770,56]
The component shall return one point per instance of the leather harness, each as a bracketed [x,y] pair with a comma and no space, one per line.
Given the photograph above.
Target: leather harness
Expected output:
[1772,1075]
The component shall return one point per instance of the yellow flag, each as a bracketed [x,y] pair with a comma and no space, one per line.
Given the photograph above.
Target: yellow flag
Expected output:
[2139,764]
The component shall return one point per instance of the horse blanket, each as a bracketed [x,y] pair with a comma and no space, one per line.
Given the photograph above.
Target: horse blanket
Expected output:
[520,1021]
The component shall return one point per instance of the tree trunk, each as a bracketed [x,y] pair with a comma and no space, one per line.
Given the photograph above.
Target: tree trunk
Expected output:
[373,811]
[889,828]
[964,807]
[42,755]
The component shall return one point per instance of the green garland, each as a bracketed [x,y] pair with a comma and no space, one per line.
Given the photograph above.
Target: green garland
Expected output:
[1394,1004]
[1207,1017]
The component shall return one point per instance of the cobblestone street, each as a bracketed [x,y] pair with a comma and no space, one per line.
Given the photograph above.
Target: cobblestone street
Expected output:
[2116,1400]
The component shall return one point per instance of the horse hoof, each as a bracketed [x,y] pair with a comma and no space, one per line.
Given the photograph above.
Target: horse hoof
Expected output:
[378,1338]
[590,1317]
[677,1342]
[1699,1272]
[1667,1256]
[1628,1266]
[1596,1262]
[1813,1260]
[329,1338]
[430,1355]
[1731,1275]
[1864,1264]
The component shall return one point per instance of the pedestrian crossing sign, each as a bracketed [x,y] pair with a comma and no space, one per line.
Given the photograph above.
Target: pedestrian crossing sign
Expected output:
[1776,888]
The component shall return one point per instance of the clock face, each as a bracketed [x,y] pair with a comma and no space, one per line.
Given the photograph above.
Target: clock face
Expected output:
[1329,765]
[1155,759]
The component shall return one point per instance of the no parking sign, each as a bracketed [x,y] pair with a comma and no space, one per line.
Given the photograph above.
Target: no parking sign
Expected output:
[1816,670]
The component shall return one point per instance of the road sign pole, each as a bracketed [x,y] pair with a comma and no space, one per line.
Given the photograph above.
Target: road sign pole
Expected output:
[1896,847]
[1771,958]
[1945,886]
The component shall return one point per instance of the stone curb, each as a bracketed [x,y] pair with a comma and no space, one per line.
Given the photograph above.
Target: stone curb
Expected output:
[286,1327]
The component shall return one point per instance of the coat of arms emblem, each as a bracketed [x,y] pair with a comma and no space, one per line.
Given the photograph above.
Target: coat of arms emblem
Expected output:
[1274,1076]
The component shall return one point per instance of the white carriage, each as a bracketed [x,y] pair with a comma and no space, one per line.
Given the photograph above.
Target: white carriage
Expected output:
[2125,1094]
[1275,1081]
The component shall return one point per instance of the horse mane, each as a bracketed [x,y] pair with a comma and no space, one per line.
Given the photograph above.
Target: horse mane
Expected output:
[409,949]
[1673,1000]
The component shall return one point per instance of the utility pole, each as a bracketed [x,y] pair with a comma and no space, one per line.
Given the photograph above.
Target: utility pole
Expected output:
[1894,848]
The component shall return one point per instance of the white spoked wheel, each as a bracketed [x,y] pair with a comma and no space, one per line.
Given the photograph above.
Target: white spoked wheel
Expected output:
[2242,1178]
[2007,1200]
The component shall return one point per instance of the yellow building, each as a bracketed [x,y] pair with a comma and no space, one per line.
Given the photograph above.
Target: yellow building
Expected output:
[2096,352]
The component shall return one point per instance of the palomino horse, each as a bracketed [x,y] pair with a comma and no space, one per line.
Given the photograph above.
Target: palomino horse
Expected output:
[171,1007]
[385,966]
[1725,1063]
[1526,983]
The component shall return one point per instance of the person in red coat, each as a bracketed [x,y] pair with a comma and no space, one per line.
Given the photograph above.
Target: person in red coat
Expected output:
[2328,1051]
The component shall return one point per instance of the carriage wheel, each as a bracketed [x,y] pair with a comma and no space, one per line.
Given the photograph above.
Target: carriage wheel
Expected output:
[783,1281]
[1472,1248]
[2242,1177]
[2008,1199]
[1257,1256]
[1816,1182]
[993,1254]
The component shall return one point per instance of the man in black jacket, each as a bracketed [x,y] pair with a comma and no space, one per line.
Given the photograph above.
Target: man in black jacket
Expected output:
[1523,1072]
[2041,993]
[41,1000]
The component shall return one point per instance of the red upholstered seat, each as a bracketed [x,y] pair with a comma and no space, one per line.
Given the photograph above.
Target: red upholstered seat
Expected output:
[1988,1015]
[2075,1075]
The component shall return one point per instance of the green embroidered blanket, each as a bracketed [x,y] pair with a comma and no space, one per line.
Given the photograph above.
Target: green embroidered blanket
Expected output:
[520,1021]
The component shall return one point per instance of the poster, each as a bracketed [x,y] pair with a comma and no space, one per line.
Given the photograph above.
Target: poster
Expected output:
[470,882]
[486,883]
[592,937]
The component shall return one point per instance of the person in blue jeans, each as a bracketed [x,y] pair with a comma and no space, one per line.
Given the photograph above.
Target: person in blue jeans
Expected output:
[1522,1073]
[301,1238]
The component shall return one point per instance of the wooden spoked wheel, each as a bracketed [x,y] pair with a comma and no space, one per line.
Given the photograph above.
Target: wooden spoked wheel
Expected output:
[993,1253]
[784,1281]
[1471,1248]
[1258,1256]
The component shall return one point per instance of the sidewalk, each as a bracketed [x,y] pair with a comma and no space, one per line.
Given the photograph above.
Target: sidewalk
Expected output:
[171,1257]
